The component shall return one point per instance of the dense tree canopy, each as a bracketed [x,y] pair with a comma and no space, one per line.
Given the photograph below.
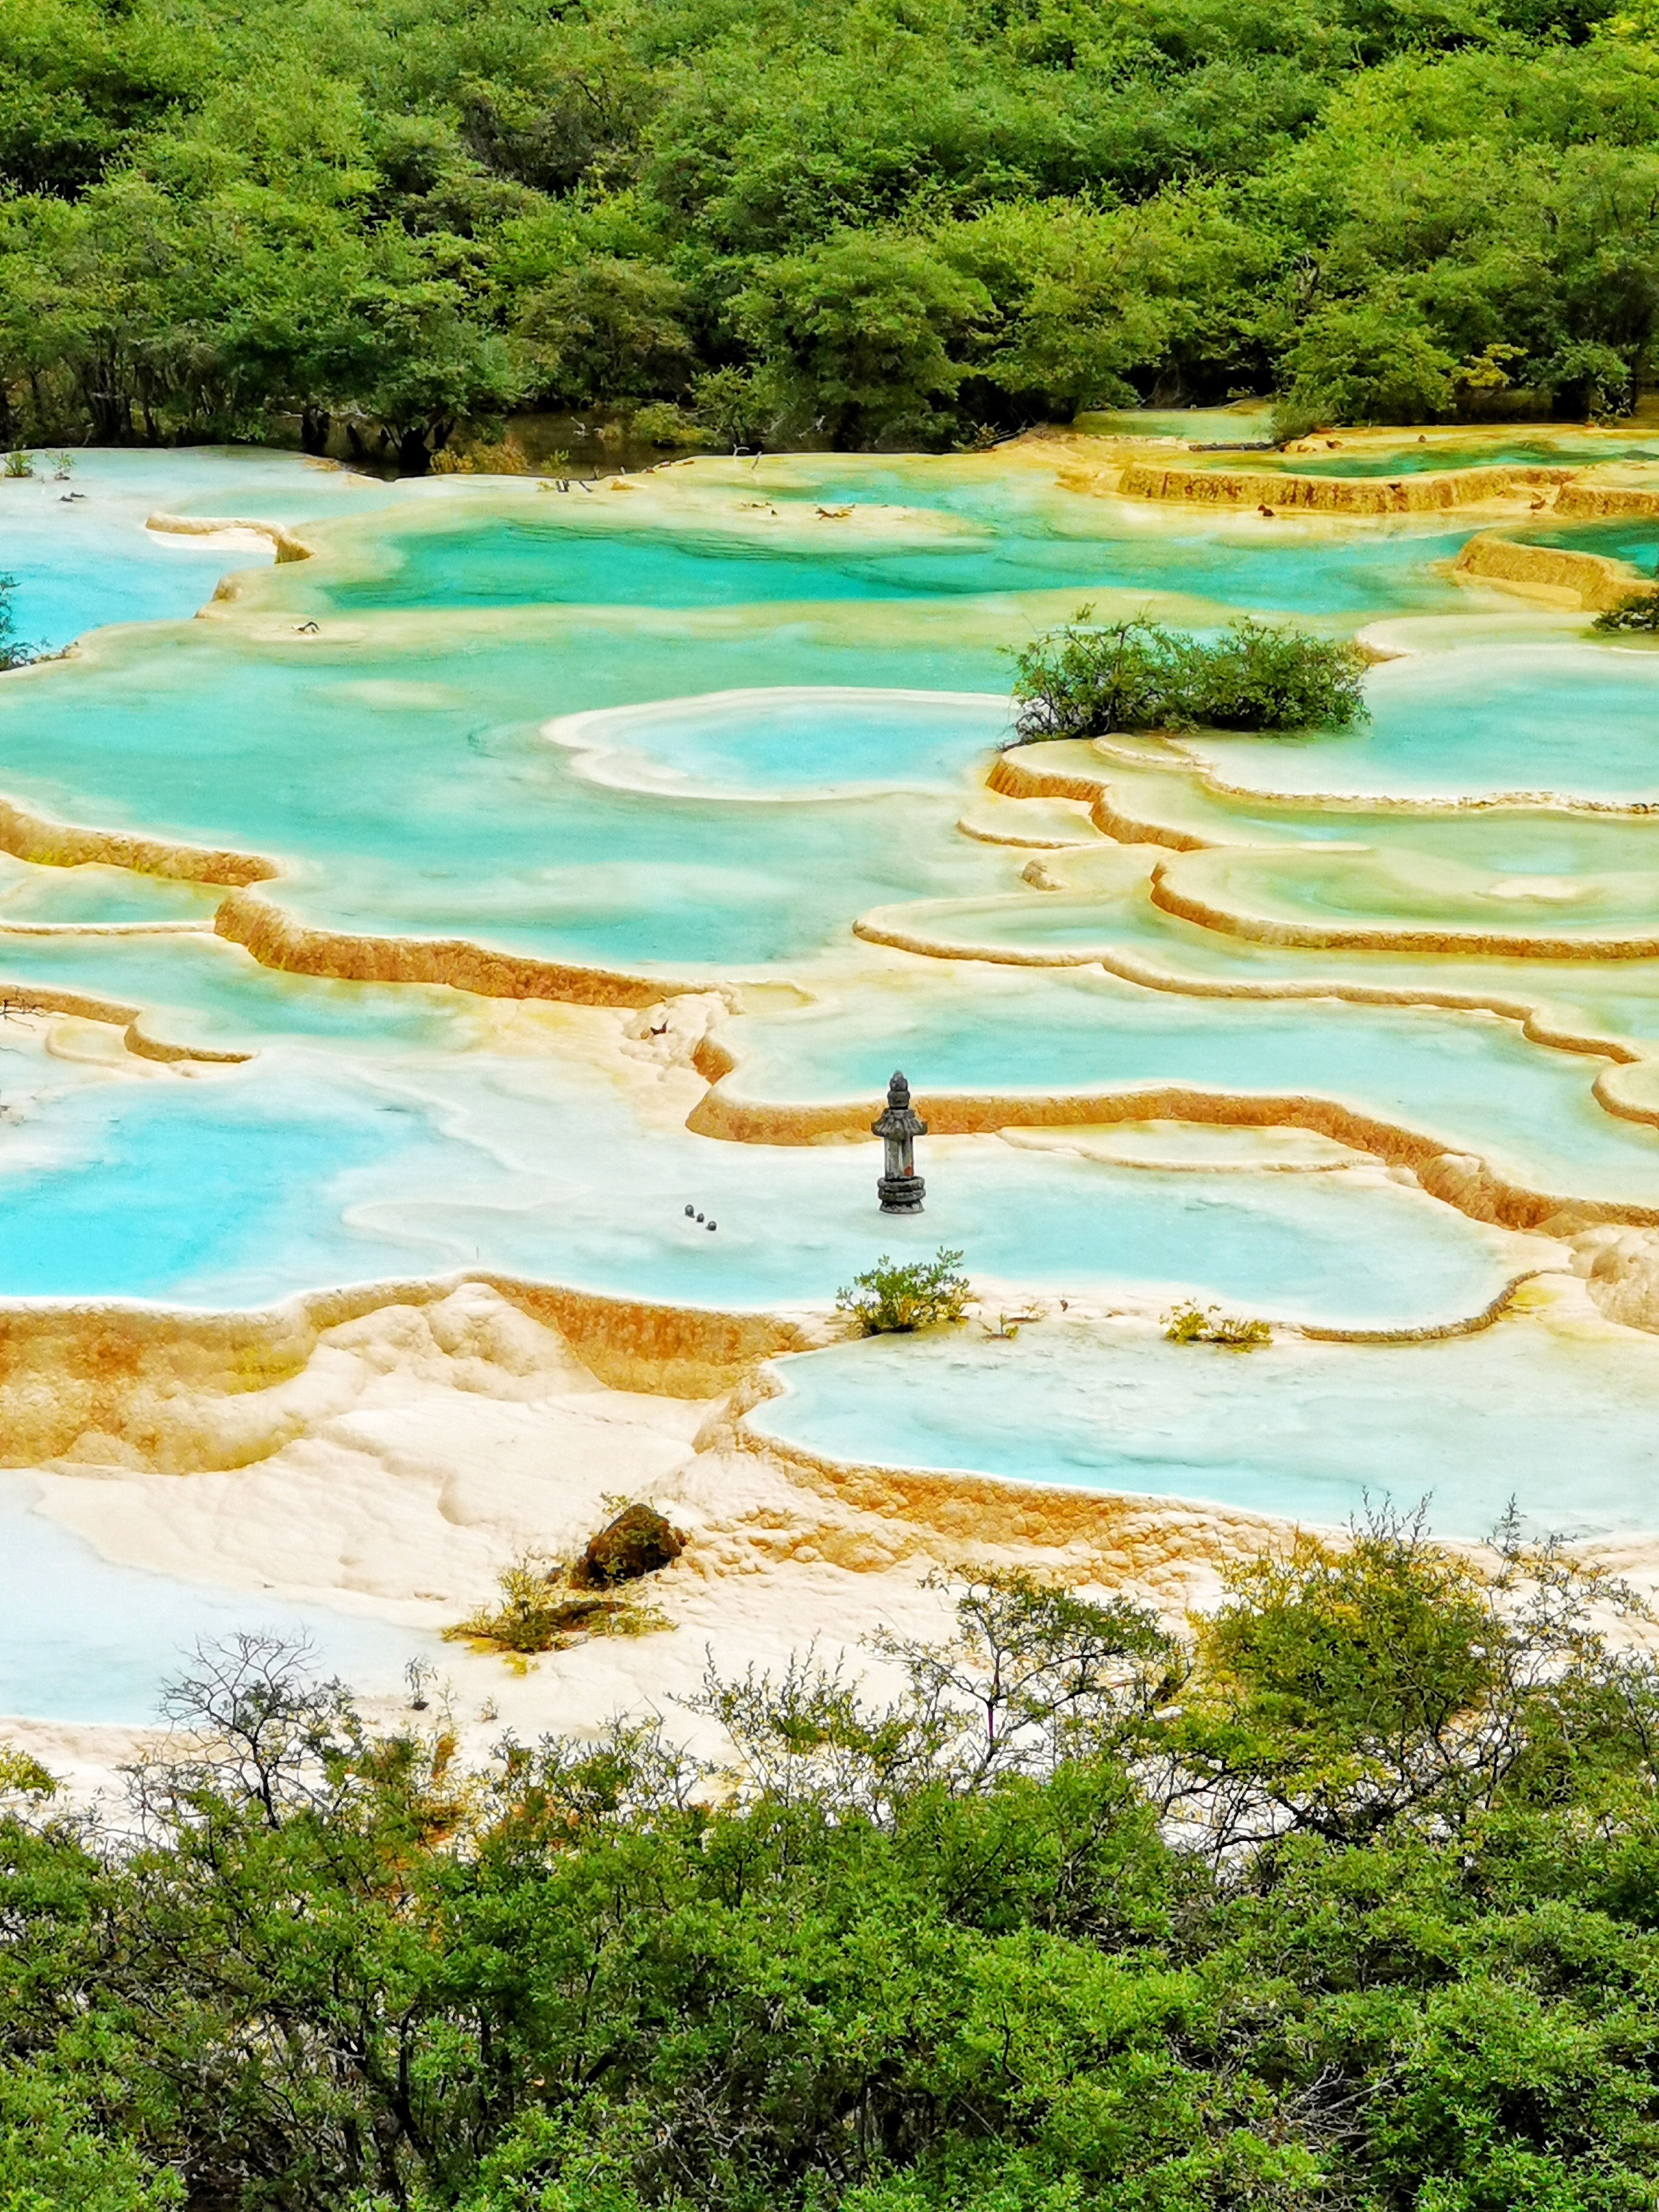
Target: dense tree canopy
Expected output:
[852,221]
[1350,1899]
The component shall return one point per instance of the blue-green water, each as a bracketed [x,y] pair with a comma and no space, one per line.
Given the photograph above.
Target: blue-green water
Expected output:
[1470,1078]
[309,1167]
[575,558]
[1319,1432]
[88,1640]
[1581,721]
[1516,453]
[645,735]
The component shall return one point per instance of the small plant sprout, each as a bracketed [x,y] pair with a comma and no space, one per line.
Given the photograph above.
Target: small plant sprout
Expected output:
[1192,1324]
[18,463]
[895,1296]
[418,1674]
[1008,1326]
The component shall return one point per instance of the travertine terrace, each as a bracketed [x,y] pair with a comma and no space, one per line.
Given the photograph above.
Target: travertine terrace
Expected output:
[458,888]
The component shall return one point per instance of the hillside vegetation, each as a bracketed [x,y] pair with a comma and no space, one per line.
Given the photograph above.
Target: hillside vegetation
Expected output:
[849,222]
[1349,1903]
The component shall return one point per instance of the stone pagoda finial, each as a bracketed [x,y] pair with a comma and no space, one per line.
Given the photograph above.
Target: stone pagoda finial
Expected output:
[900,1188]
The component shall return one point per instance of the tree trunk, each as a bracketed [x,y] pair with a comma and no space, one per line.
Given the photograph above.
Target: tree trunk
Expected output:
[413,455]
[314,423]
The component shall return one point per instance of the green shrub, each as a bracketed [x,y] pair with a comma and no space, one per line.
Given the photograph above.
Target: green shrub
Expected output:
[662,424]
[1639,610]
[894,1296]
[1192,1324]
[1337,1896]
[542,1609]
[13,652]
[1082,682]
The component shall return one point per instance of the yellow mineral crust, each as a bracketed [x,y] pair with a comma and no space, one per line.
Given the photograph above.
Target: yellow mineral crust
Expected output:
[178,1390]
[30,836]
[286,546]
[351,956]
[1204,888]
[1406,494]
[1588,581]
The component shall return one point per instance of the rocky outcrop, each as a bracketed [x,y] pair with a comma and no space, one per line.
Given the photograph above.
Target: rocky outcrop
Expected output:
[640,1541]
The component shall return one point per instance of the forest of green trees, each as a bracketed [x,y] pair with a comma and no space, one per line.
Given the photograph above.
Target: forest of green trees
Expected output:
[836,222]
[1348,1901]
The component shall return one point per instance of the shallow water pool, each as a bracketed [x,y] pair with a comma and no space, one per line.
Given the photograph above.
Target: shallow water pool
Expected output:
[88,1640]
[1311,1430]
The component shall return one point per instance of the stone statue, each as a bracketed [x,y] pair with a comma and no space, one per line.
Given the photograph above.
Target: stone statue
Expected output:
[900,1188]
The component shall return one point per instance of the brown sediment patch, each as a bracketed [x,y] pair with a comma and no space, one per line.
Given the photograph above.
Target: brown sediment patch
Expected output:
[154,1386]
[286,546]
[352,957]
[1458,1179]
[631,1344]
[29,836]
[1389,936]
[1404,495]
[1589,580]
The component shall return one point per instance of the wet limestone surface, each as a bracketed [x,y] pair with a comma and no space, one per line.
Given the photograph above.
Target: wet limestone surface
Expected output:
[1310,1429]
[714,736]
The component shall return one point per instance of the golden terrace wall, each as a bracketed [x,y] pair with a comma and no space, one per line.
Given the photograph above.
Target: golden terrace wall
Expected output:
[1411,495]
[179,1391]
[1595,582]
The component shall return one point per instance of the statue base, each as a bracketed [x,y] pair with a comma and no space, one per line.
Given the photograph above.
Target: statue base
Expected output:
[901,1193]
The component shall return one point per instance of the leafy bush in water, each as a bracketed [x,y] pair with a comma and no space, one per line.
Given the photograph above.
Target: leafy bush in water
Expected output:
[894,1297]
[1640,611]
[1192,1323]
[1083,682]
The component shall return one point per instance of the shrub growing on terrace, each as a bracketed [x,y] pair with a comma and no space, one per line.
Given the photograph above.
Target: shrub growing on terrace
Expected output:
[1083,681]
[1638,610]
[894,1297]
